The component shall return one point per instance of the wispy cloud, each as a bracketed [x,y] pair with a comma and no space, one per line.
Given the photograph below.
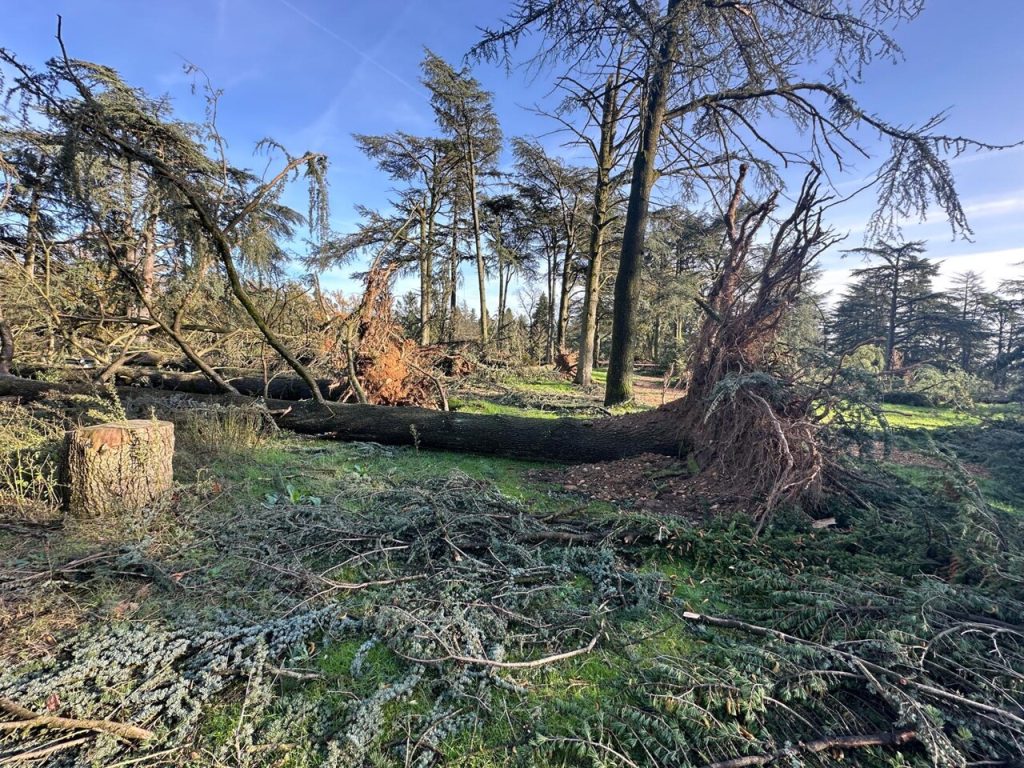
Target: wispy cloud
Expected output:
[222,20]
[985,155]
[1002,206]
[993,266]
[935,222]
[351,46]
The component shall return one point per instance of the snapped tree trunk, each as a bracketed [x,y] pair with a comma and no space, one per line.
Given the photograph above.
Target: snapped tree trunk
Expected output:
[118,468]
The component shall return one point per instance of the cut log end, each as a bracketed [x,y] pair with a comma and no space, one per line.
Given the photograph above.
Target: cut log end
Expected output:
[118,468]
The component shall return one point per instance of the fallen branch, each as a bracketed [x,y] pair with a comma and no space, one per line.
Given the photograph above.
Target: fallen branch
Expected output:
[891,739]
[532,664]
[29,719]
[39,754]
[876,669]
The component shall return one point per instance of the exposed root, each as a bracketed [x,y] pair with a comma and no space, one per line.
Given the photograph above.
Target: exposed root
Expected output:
[746,417]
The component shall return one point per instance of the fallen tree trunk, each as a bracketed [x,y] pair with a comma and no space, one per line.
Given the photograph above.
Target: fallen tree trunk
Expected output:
[280,388]
[569,440]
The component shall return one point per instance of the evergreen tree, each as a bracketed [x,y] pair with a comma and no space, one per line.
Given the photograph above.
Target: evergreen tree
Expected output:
[465,113]
[891,296]
[710,73]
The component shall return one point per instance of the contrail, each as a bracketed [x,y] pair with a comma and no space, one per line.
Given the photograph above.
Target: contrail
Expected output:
[351,46]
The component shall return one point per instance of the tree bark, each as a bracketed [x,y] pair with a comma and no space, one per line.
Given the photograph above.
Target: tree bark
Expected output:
[118,468]
[563,293]
[481,265]
[6,345]
[598,225]
[552,264]
[619,388]
[426,275]
[32,235]
[568,440]
[452,286]
[245,383]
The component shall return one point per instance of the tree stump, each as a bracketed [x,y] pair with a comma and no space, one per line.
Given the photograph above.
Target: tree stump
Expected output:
[118,468]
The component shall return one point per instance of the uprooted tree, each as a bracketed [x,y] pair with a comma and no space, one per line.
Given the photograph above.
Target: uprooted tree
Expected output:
[740,418]
[745,416]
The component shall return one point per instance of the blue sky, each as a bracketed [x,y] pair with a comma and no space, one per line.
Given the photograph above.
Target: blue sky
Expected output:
[309,73]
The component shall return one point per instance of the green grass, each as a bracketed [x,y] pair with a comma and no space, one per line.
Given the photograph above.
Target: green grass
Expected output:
[315,468]
[491,408]
[917,417]
[906,417]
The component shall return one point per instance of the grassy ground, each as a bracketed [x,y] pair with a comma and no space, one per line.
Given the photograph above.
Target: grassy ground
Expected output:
[909,417]
[426,555]
[542,393]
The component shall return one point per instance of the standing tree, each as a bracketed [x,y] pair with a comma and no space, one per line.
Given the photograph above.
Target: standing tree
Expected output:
[904,277]
[972,311]
[465,112]
[559,192]
[1010,324]
[712,72]
[603,109]
[509,229]
[427,165]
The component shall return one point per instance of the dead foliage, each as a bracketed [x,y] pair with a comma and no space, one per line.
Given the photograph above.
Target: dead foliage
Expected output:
[566,361]
[384,367]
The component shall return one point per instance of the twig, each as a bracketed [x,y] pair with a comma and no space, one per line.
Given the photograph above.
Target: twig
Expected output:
[38,754]
[295,674]
[442,394]
[875,668]
[532,664]
[31,720]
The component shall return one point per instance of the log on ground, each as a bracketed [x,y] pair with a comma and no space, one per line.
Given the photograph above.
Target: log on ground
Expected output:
[568,440]
[286,387]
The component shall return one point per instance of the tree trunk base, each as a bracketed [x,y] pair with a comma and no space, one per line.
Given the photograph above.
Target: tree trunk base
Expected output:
[118,468]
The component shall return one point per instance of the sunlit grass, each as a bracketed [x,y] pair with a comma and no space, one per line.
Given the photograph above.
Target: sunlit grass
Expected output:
[917,417]
[491,408]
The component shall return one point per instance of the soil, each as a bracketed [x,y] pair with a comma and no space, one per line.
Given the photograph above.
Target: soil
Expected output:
[651,390]
[651,483]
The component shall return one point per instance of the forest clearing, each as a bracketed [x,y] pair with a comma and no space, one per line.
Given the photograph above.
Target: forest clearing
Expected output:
[603,441]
